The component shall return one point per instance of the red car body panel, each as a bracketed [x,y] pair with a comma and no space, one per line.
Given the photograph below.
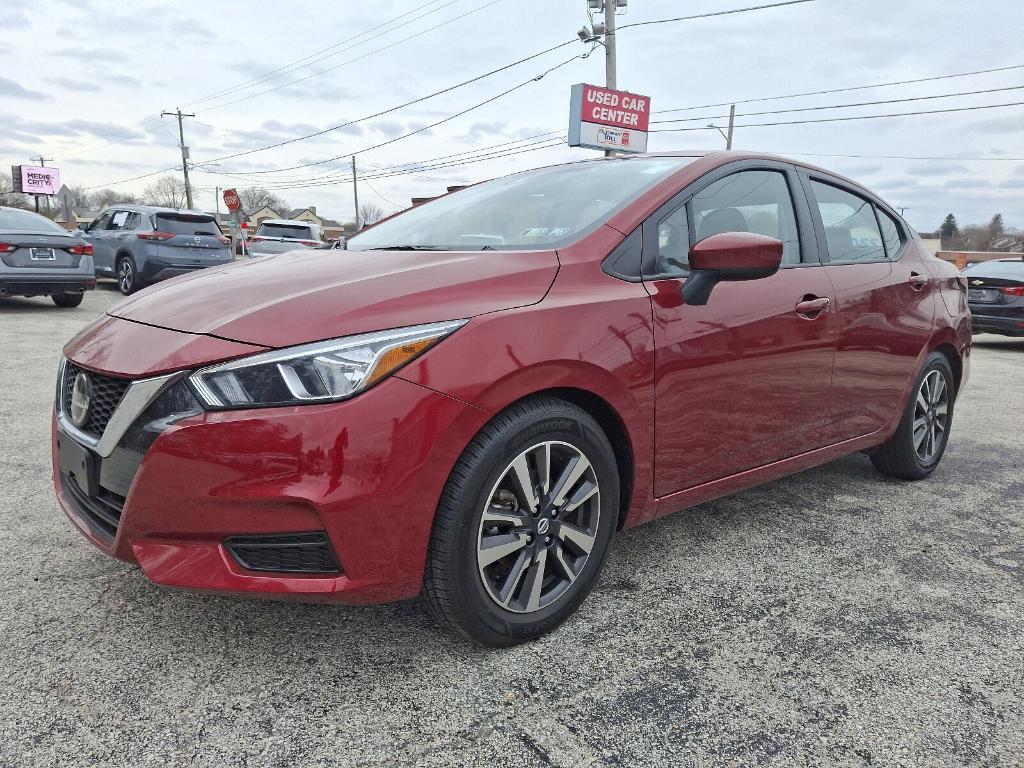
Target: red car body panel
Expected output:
[700,401]
[300,296]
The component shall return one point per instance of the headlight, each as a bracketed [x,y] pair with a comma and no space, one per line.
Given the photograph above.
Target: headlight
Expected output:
[315,373]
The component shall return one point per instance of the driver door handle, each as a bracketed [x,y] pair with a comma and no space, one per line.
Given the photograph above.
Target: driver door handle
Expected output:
[811,308]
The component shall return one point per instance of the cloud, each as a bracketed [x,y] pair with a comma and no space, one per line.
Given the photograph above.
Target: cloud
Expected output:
[967,183]
[938,169]
[11,89]
[1012,184]
[70,84]
[91,55]
[388,128]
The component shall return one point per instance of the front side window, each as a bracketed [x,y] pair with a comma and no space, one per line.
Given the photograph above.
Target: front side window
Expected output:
[543,208]
[851,229]
[673,243]
[749,201]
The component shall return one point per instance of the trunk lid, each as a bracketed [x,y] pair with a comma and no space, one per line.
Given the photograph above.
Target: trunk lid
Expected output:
[40,250]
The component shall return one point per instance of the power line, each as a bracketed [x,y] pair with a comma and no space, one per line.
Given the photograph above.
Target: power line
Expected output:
[842,90]
[851,117]
[285,69]
[357,58]
[840,106]
[712,13]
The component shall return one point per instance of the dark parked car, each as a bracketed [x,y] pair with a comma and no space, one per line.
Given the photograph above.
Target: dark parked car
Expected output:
[142,244]
[995,294]
[502,378]
[40,258]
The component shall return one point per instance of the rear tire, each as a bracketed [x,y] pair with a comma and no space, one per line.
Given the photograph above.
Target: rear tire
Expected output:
[127,276]
[921,438]
[557,534]
[67,300]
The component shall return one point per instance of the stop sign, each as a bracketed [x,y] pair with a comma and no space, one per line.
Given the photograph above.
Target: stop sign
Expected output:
[231,200]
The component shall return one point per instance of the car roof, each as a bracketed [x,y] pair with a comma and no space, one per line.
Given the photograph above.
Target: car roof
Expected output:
[288,221]
[152,209]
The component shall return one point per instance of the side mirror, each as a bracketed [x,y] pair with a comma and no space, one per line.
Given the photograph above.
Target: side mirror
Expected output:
[729,256]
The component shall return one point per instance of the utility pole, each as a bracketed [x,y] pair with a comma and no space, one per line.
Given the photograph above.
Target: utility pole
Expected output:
[184,152]
[610,70]
[732,123]
[42,164]
[355,191]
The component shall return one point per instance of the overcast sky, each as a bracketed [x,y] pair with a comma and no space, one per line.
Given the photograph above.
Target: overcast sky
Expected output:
[82,82]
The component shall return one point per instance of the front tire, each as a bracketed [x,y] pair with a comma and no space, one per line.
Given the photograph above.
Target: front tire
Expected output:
[67,300]
[524,524]
[127,276]
[921,438]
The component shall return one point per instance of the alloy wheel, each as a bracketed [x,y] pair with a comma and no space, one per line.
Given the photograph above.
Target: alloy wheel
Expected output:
[538,527]
[125,276]
[931,413]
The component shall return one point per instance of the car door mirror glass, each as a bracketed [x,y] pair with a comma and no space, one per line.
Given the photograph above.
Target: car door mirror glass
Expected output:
[729,256]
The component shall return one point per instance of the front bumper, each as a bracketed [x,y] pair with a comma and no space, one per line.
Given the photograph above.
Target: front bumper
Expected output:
[367,472]
[1007,325]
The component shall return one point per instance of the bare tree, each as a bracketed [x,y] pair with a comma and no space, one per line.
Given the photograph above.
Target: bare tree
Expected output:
[167,191]
[254,198]
[8,197]
[369,213]
[104,197]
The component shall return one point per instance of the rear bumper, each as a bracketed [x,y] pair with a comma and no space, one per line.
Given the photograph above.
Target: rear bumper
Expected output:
[155,270]
[1007,326]
[44,285]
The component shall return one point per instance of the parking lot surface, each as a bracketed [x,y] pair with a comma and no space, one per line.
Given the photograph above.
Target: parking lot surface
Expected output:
[831,618]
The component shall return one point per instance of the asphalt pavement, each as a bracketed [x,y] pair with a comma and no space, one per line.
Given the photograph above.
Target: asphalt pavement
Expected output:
[831,618]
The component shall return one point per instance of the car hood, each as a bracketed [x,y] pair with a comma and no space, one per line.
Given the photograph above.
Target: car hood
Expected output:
[304,296]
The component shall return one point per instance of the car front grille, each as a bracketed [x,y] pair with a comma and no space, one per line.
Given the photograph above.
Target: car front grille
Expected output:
[104,397]
[102,512]
[284,553]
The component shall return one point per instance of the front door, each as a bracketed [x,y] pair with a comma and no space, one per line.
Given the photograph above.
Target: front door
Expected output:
[744,380]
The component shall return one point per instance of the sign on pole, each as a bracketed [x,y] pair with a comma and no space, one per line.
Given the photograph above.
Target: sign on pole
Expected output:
[35,180]
[600,118]
[231,200]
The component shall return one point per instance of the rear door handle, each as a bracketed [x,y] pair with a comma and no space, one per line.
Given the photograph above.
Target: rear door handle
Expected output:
[918,281]
[811,308]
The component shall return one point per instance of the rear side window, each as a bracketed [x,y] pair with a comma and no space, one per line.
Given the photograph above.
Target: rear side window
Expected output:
[183,224]
[851,229]
[292,231]
[748,201]
[891,235]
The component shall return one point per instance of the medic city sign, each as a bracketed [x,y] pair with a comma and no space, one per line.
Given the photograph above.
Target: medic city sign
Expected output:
[35,180]
[600,118]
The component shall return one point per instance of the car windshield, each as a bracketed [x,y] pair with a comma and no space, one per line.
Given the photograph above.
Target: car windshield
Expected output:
[544,208]
[290,231]
[181,224]
[26,221]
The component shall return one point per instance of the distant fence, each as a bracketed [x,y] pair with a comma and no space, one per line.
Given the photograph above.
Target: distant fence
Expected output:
[963,258]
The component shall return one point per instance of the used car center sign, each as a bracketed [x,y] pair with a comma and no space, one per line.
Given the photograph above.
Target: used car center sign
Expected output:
[600,118]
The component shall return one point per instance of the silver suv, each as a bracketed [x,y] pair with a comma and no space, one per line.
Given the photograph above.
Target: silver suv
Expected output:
[141,244]
[40,258]
[280,235]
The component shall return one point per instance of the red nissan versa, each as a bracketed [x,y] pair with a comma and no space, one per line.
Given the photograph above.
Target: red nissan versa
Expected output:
[490,385]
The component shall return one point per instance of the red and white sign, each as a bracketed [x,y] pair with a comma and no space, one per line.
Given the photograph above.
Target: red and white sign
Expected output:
[601,118]
[231,200]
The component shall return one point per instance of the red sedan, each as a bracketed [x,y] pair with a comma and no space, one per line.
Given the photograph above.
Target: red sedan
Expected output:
[487,387]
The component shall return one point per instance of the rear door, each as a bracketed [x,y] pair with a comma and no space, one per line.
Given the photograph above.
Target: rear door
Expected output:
[744,380]
[885,304]
[189,239]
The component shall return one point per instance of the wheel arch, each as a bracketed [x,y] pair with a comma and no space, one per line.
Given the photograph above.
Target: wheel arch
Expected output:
[615,430]
[947,350]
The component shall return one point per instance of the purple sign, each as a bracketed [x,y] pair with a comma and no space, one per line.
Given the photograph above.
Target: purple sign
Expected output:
[36,180]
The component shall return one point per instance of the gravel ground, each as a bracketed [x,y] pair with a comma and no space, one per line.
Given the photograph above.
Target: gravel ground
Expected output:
[831,618]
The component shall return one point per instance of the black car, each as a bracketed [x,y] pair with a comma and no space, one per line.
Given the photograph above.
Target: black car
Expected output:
[995,294]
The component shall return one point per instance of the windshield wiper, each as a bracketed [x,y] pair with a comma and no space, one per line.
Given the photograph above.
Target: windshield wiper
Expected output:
[411,248]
